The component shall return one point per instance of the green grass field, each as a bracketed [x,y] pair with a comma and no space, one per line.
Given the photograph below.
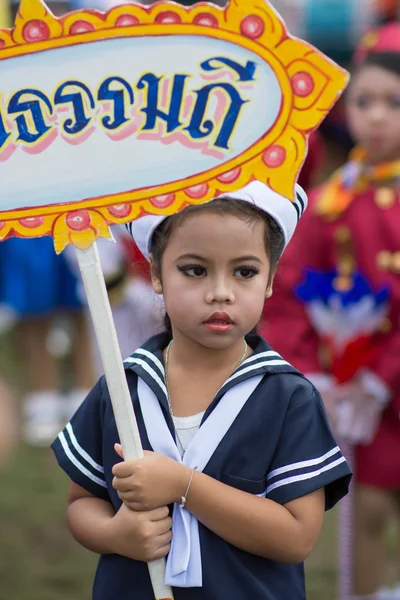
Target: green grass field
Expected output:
[40,561]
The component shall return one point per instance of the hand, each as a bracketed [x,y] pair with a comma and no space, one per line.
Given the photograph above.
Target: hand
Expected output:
[357,414]
[150,482]
[143,536]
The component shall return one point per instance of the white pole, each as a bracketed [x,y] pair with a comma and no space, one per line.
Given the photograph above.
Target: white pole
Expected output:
[346,532]
[100,310]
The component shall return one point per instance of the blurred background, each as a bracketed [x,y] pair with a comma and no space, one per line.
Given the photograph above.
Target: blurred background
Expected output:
[48,357]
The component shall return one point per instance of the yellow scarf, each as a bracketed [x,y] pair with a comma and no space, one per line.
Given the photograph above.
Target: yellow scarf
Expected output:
[354,178]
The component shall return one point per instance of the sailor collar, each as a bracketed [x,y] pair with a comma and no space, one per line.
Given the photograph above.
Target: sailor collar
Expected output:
[147,363]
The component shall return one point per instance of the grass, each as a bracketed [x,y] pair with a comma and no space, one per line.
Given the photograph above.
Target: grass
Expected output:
[40,561]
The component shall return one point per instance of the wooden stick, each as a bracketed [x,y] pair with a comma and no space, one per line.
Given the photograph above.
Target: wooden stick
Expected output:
[346,532]
[100,310]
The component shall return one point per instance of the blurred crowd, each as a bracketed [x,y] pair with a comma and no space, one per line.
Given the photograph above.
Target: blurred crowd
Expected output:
[352,230]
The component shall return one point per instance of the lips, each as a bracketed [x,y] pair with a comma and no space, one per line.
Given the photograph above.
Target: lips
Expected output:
[219,318]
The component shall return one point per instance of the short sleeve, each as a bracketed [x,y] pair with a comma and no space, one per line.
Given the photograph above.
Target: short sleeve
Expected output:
[78,447]
[307,457]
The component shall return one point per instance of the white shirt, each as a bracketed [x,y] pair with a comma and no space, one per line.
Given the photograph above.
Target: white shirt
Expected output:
[186,427]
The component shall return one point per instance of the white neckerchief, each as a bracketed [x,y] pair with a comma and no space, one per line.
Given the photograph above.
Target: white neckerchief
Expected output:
[184,567]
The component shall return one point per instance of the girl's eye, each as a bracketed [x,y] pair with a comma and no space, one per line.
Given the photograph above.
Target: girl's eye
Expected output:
[394,102]
[363,102]
[192,270]
[246,272]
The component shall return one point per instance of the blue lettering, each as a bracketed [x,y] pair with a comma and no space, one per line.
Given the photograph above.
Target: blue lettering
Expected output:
[152,112]
[118,98]
[76,98]
[198,129]
[245,73]
[16,105]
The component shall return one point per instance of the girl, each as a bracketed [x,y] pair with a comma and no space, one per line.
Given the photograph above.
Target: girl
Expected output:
[38,286]
[359,208]
[235,438]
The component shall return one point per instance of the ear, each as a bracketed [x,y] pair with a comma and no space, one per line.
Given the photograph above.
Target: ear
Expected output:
[270,290]
[155,278]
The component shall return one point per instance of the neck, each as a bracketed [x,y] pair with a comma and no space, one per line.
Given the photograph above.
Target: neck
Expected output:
[189,354]
[372,160]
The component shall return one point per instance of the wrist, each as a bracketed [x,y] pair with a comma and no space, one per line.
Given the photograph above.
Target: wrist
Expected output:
[184,474]
[108,536]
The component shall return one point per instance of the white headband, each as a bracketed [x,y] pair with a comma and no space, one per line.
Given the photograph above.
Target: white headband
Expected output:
[284,212]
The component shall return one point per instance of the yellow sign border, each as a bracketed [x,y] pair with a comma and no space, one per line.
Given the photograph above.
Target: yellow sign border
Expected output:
[310,85]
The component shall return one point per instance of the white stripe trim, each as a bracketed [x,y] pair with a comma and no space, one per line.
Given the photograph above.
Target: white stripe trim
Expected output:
[81,451]
[304,463]
[150,371]
[78,464]
[254,357]
[152,357]
[269,363]
[305,476]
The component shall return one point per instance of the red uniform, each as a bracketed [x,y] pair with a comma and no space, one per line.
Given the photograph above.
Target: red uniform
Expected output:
[373,219]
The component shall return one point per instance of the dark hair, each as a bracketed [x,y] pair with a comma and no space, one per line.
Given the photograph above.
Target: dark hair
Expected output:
[390,61]
[273,236]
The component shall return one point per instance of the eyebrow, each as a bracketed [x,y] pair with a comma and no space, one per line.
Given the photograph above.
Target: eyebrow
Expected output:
[190,256]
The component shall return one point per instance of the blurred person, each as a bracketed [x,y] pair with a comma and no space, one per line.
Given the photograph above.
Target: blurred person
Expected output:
[8,424]
[136,309]
[363,201]
[335,27]
[36,287]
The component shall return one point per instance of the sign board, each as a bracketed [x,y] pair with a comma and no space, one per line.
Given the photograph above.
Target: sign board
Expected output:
[108,116]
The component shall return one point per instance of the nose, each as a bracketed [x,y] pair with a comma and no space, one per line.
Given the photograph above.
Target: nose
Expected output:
[220,291]
[377,113]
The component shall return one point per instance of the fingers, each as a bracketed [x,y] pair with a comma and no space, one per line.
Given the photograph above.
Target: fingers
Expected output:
[163,545]
[164,539]
[161,552]
[123,469]
[159,514]
[122,484]
[163,527]
[118,450]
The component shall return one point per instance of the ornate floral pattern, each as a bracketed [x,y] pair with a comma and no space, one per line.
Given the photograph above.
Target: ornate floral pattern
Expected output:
[310,85]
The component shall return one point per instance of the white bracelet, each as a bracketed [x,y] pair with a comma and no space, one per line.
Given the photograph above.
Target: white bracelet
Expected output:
[184,498]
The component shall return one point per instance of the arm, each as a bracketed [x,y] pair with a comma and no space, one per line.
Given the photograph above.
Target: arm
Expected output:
[257,525]
[94,524]
[386,366]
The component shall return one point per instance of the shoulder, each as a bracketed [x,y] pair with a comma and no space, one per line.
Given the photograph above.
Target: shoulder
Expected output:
[298,389]
[280,376]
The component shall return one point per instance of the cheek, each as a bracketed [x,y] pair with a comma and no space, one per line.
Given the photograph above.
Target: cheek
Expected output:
[394,129]
[356,120]
[255,298]
[179,296]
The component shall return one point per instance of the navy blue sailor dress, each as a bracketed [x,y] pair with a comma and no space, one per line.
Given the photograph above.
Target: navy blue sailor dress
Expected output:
[279,446]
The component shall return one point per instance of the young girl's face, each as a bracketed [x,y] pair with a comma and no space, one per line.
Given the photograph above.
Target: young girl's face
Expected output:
[373,109]
[214,277]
